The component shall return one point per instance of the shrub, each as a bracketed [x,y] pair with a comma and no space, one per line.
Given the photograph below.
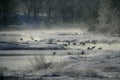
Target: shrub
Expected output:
[40,63]
[2,70]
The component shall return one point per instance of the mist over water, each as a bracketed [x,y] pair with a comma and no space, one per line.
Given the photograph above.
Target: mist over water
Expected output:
[59,39]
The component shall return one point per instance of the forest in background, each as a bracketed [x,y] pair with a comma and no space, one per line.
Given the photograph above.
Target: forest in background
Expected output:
[100,15]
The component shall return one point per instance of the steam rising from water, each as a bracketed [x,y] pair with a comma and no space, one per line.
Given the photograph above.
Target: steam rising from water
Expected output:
[36,34]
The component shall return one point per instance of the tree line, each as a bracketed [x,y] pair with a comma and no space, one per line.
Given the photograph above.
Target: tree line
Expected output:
[101,15]
[109,16]
[60,10]
[7,12]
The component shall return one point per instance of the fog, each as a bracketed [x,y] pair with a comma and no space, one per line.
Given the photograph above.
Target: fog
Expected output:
[59,39]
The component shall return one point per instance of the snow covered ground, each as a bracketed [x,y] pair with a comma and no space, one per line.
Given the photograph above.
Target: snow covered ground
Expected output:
[74,55]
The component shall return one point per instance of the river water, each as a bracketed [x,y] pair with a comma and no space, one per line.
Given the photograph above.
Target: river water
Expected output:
[17,61]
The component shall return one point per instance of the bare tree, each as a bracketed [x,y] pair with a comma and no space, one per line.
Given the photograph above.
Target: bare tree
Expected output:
[28,5]
[7,10]
[109,16]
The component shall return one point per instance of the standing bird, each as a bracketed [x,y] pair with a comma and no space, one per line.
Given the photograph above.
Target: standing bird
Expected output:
[93,47]
[82,43]
[100,48]
[65,45]
[36,40]
[69,53]
[21,39]
[68,42]
[94,42]
[54,53]
[88,48]
[74,43]
[31,38]
[82,52]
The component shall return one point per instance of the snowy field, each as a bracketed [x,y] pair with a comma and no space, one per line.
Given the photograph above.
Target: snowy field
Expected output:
[73,55]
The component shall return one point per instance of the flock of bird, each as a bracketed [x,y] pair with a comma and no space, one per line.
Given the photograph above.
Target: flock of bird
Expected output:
[21,39]
[73,43]
[69,43]
[83,43]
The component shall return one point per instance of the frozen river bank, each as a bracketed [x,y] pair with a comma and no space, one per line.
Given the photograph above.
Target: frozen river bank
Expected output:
[94,52]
